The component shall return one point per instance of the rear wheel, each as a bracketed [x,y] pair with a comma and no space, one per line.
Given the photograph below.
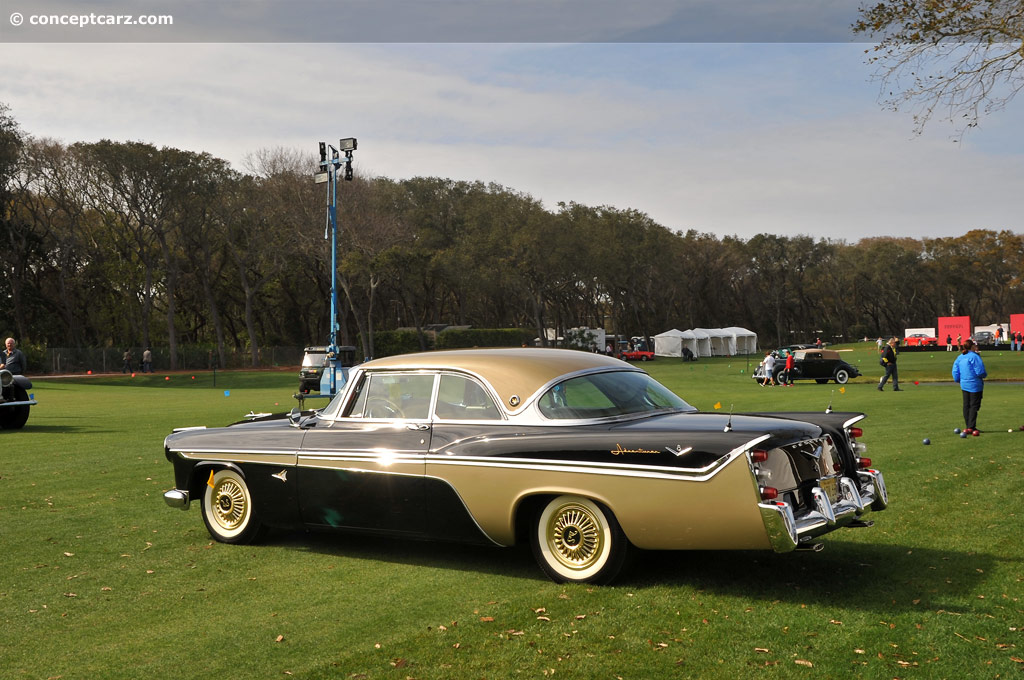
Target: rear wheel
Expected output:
[228,509]
[578,541]
[15,417]
[842,376]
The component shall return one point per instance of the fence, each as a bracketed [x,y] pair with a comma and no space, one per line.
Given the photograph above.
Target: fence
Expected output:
[64,360]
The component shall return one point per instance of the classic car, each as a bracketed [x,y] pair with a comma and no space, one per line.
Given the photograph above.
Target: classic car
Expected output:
[819,365]
[582,456]
[14,400]
[636,355]
[920,340]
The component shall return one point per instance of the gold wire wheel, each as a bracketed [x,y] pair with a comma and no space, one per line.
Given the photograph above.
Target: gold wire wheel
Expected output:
[230,504]
[574,536]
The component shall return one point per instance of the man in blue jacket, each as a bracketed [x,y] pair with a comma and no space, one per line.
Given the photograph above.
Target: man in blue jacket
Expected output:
[969,371]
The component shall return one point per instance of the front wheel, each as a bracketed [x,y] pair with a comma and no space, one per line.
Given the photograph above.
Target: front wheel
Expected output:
[644,357]
[842,376]
[228,509]
[578,541]
[15,417]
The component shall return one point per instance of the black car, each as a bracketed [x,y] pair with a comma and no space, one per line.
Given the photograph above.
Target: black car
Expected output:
[14,400]
[820,365]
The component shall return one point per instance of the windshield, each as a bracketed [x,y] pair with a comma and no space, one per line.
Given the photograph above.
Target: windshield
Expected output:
[601,395]
[313,360]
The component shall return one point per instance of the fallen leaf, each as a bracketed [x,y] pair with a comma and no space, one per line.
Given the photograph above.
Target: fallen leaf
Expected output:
[580,617]
[563,596]
[762,650]
[70,594]
[399,663]
[279,638]
[67,554]
[543,618]
[858,651]
[486,619]
[803,662]
[540,610]
[833,621]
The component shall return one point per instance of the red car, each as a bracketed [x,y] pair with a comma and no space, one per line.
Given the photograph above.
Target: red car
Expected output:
[920,340]
[636,355]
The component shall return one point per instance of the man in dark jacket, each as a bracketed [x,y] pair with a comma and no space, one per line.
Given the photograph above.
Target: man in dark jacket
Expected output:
[888,360]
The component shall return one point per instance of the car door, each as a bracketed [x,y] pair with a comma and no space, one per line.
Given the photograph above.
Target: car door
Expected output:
[364,469]
[812,365]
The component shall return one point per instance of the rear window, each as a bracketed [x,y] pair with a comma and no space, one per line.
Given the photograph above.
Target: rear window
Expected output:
[602,395]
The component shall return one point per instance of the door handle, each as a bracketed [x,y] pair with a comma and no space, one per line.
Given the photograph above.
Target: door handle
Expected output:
[418,427]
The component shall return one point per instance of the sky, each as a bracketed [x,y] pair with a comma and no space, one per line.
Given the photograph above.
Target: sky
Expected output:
[730,138]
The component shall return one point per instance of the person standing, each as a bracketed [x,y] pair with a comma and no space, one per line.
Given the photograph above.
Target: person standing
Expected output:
[12,358]
[769,369]
[789,367]
[147,361]
[126,367]
[888,360]
[969,371]
[949,342]
[1020,341]
[959,341]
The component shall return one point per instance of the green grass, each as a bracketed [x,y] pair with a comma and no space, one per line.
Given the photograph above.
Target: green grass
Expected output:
[99,579]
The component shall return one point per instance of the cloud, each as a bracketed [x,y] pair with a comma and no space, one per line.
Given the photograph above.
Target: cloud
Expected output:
[730,139]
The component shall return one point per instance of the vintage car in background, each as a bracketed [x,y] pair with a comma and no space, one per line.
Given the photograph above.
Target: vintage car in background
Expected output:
[580,455]
[14,400]
[819,365]
[920,340]
[636,355]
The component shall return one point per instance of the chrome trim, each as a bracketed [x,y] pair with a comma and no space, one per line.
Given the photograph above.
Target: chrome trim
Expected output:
[856,419]
[176,498]
[876,481]
[850,492]
[29,402]
[823,505]
[780,525]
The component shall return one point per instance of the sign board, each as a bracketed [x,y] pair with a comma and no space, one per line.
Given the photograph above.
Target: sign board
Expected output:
[1017,323]
[953,326]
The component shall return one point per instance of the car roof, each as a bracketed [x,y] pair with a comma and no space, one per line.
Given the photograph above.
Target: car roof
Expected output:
[511,371]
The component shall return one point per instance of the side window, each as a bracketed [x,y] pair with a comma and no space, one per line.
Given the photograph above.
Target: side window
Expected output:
[393,396]
[461,398]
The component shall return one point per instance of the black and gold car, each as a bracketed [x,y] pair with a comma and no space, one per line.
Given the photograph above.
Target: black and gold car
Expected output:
[581,455]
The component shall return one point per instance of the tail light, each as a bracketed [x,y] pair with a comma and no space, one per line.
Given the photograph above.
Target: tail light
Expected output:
[863,463]
[856,432]
[758,456]
[769,493]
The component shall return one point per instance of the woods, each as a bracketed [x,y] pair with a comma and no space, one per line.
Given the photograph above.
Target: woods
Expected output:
[126,244]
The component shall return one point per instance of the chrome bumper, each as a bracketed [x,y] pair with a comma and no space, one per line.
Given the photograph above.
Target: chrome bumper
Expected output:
[176,498]
[787,530]
[27,402]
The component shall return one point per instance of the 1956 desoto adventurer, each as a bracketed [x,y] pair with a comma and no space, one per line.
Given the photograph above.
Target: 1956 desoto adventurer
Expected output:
[581,455]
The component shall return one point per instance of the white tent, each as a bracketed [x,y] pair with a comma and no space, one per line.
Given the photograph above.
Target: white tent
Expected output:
[671,343]
[744,341]
[722,343]
[703,341]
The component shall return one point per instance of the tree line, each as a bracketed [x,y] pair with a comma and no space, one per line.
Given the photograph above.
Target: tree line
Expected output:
[126,244]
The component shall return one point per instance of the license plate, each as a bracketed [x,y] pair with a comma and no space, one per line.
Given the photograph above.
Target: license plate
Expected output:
[828,485]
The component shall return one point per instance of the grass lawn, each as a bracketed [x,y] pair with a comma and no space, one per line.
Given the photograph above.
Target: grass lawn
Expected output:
[99,579]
